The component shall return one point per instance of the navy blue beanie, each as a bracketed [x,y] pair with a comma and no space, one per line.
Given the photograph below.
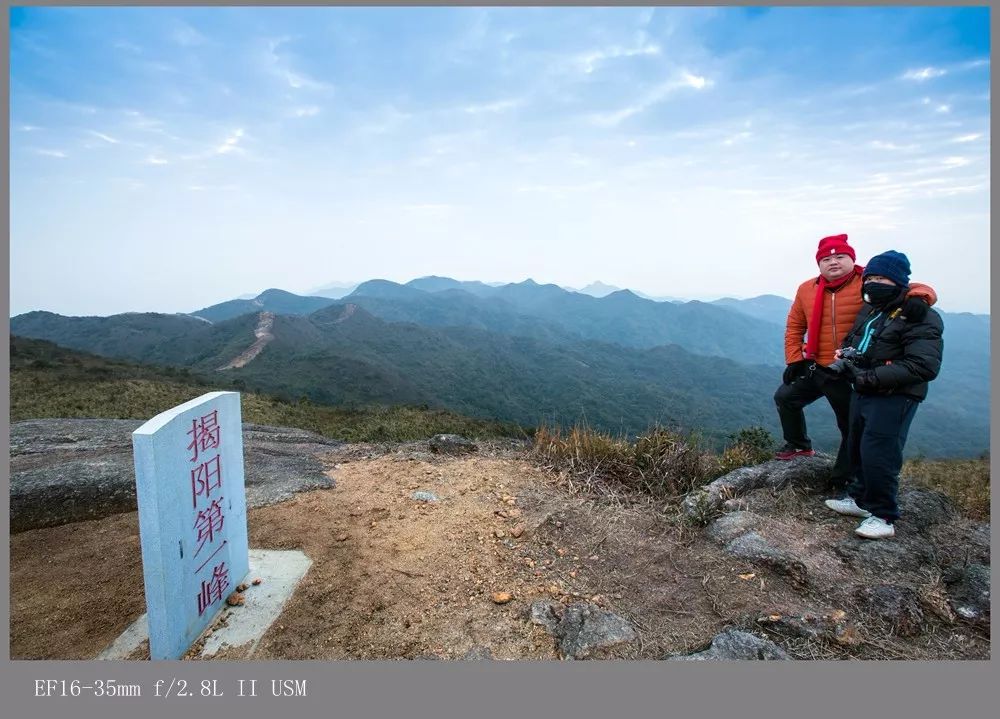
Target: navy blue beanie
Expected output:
[891,264]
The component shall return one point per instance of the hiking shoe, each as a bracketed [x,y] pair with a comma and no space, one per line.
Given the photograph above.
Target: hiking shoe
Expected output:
[875,528]
[790,452]
[847,506]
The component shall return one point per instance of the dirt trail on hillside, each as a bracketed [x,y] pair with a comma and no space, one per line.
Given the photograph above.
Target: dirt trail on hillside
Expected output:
[395,577]
[263,334]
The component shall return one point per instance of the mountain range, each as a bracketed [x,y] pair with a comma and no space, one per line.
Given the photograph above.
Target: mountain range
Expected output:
[524,352]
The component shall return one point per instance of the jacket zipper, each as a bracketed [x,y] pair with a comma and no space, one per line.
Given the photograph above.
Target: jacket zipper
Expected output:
[833,317]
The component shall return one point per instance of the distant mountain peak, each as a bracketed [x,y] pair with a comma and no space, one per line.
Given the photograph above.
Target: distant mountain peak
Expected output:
[623,293]
[273,292]
[598,289]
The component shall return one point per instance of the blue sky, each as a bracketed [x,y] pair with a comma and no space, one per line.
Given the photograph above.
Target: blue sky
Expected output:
[165,159]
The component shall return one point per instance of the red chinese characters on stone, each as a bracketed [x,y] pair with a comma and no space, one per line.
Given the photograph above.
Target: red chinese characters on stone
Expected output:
[204,434]
[207,501]
[214,589]
[204,478]
[208,522]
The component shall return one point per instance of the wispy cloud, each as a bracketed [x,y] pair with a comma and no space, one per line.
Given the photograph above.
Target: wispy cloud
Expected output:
[955,161]
[429,207]
[102,136]
[187,36]
[562,190]
[738,137]
[46,152]
[280,66]
[883,145]
[967,138]
[973,64]
[156,160]
[684,80]
[492,107]
[307,111]
[231,143]
[590,61]
[925,73]
[212,188]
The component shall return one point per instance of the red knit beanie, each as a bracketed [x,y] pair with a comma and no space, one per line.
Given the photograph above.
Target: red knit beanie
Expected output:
[834,245]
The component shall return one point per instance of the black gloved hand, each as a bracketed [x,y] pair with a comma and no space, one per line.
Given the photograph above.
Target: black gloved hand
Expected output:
[849,371]
[794,371]
[865,381]
[915,309]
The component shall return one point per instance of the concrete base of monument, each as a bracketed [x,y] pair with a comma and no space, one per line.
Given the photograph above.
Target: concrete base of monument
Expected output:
[241,626]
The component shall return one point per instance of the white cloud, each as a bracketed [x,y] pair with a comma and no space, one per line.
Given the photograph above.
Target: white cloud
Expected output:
[562,190]
[299,81]
[106,138]
[955,161]
[308,111]
[281,67]
[50,153]
[738,137]
[231,143]
[386,118]
[156,160]
[695,81]
[972,64]
[590,61]
[212,188]
[967,138]
[28,128]
[429,207]
[882,145]
[923,74]
[651,98]
[188,36]
[492,107]
[943,109]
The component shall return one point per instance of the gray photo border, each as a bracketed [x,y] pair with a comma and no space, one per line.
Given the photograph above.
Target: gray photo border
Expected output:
[501,689]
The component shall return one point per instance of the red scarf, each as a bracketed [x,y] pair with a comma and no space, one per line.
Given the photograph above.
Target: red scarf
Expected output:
[813,329]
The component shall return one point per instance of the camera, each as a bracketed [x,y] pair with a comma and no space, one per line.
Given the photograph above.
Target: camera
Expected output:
[845,363]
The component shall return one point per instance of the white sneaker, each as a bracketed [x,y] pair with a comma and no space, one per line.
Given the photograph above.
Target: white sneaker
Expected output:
[875,528]
[847,506]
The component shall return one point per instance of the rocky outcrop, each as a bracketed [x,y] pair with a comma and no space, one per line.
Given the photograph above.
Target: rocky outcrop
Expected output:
[832,626]
[755,548]
[883,583]
[451,444]
[969,592]
[583,629]
[735,645]
[68,470]
[806,472]
[897,606]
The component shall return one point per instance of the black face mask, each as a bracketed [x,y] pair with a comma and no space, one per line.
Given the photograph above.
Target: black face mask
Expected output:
[879,295]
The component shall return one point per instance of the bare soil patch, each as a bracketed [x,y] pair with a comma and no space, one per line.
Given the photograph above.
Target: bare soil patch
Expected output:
[394,577]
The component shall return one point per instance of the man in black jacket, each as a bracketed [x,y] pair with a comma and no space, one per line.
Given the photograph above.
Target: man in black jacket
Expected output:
[896,356]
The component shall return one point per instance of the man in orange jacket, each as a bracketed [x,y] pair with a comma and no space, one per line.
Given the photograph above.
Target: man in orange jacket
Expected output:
[821,315]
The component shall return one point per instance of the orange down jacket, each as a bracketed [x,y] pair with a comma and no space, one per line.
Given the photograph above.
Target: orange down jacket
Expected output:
[840,307]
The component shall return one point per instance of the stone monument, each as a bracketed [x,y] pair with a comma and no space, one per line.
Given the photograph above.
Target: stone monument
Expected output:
[192,517]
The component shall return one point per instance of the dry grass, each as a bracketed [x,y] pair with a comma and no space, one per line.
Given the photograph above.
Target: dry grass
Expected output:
[662,463]
[966,481]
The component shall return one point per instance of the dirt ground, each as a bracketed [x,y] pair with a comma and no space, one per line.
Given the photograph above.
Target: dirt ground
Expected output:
[394,577]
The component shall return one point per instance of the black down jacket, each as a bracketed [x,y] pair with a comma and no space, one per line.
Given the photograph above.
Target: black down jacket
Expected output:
[905,355]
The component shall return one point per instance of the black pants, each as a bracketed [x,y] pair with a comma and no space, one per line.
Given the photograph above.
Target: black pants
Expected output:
[792,398]
[879,425]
